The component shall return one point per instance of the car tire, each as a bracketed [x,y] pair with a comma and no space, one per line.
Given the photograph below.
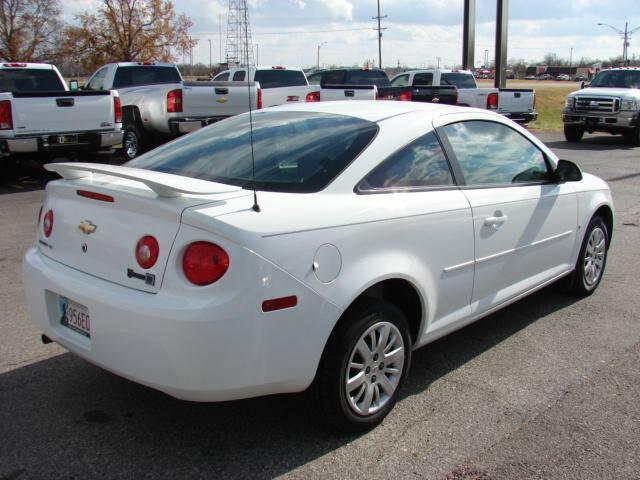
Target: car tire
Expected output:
[573,134]
[352,391]
[592,259]
[134,142]
[634,137]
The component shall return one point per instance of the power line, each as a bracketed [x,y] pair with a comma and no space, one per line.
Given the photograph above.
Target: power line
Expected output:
[292,32]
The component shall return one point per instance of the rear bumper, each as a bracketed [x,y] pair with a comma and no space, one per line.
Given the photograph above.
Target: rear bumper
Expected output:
[522,117]
[84,141]
[622,120]
[180,126]
[191,349]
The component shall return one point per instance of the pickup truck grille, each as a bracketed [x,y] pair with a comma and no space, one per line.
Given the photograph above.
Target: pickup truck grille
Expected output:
[597,104]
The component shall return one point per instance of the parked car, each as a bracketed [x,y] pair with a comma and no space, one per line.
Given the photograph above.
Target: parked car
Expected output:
[40,117]
[530,77]
[356,233]
[347,84]
[580,78]
[610,104]
[517,104]
[279,84]
[158,105]
[545,76]
[563,77]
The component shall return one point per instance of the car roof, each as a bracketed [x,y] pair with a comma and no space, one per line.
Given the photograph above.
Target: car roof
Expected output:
[373,110]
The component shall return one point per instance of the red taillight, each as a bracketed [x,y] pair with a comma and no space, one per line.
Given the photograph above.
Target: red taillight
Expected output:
[313,97]
[117,108]
[15,65]
[204,263]
[174,101]
[47,225]
[6,118]
[95,196]
[406,97]
[492,101]
[279,303]
[259,101]
[147,251]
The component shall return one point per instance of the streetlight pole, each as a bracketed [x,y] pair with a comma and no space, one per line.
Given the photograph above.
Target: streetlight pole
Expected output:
[625,35]
[210,62]
[318,63]
[257,56]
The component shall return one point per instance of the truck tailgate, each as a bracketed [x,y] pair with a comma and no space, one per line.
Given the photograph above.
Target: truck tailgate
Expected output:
[217,98]
[62,112]
[516,100]
[347,92]
[283,95]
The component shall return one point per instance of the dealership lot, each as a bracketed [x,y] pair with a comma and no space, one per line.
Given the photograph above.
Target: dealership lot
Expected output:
[547,388]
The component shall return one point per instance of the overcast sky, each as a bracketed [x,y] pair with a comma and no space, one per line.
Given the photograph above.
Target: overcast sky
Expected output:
[418,31]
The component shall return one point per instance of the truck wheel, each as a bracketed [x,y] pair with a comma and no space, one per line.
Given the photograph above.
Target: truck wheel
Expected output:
[364,366]
[573,134]
[133,142]
[634,137]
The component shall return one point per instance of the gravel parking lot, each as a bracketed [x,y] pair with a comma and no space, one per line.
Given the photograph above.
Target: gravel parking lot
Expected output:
[547,388]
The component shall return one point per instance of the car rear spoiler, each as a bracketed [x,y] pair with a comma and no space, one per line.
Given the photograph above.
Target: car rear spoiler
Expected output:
[163,184]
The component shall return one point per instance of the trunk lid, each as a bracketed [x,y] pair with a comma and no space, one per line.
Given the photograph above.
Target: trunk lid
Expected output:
[99,237]
[62,112]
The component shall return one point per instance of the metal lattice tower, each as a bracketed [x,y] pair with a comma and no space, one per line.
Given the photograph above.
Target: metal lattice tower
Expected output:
[239,47]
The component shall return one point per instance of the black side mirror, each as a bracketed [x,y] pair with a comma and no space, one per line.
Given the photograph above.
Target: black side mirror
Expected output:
[567,171]
[581,85]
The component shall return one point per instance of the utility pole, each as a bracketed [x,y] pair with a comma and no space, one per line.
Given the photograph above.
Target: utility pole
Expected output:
[625,35]
[438,63]
[220,37]
[570,62]
[318,63]
[380,29]
[486,58]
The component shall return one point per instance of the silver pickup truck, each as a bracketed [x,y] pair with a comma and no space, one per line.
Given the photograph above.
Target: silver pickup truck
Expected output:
[40,117]
[610,104]
[158,105]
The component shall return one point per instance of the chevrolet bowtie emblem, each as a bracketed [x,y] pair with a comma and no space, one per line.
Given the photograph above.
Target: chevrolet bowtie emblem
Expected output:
[87,227]
[222,100]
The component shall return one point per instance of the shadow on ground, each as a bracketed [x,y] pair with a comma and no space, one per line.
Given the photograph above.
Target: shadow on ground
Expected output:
[64,418]
[594,143]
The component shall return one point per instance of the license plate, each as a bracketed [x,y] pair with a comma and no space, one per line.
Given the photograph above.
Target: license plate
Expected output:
[75,316]
[293,98]
[67,139]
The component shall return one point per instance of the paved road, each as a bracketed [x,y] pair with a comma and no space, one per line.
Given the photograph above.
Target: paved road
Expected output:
[547,388]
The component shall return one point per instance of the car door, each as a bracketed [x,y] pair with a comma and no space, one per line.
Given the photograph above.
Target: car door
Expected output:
[524,223]
[416,181]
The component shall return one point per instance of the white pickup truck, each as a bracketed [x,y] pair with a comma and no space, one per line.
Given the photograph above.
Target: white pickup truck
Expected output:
[280,85]
[40,117]
[517,104]
[158,105]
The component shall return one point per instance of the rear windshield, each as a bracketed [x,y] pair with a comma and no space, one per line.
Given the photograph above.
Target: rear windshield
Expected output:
[367,77]
[617,79]
[280,78]
[144,75]
[458,80]
[29,80]
[293,151]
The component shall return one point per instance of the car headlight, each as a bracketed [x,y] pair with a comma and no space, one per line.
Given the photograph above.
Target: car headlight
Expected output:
[629,105]
[568,103]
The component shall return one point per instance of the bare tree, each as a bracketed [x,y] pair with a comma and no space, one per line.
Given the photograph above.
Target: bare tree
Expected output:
[29,30]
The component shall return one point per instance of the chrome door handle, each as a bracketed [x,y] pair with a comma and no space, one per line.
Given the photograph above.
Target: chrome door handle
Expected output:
[494,221]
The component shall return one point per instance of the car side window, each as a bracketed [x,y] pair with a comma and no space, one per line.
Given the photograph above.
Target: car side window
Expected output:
[420,164]
[238,76]
[334,77]
[223,77]
[314,78]
[400,81]
[97,81]
[491,153]
[423,79]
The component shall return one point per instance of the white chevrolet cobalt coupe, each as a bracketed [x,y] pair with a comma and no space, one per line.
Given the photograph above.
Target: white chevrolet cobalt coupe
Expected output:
[317,245]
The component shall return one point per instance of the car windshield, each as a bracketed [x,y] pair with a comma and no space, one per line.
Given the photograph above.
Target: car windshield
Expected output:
[458,80]
[22,80]
[280,78]
[293,151]
[617,79]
